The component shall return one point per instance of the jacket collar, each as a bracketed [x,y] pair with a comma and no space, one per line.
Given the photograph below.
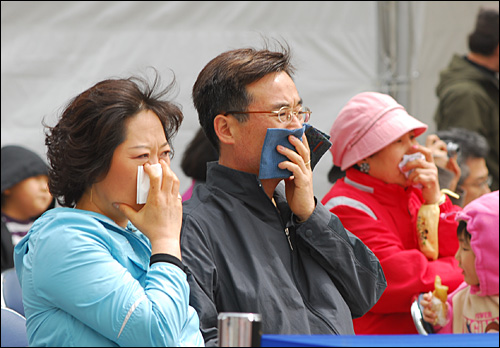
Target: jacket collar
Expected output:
[383,192]
[245,187]
[467,69]
[484,69]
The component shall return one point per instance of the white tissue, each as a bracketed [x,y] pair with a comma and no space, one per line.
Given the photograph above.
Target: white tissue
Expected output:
[143,182]
[439,308]
[409,158]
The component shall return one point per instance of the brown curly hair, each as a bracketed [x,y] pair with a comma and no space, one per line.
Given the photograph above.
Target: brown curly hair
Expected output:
[81,145]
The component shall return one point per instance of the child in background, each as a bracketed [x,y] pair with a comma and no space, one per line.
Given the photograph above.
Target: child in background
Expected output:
[473,306]
[25,196]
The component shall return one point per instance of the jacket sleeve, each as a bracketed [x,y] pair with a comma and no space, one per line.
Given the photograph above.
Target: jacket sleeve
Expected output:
[353,267]
[448,241]
[90,286]
[447,227]
[202,277]
[407,271]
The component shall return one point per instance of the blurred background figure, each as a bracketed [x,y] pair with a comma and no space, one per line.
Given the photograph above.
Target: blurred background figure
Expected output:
[470,149]
[445,158]
[468,90]
[25,196]
[194,161]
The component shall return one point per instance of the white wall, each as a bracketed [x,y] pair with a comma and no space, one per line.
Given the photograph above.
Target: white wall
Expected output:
[51,51]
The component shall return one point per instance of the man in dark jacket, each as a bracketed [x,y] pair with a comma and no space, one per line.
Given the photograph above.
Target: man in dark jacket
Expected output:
[268,245]
[468,89]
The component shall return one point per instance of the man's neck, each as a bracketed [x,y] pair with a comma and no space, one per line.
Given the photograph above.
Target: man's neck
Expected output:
[484,61]
[269,185]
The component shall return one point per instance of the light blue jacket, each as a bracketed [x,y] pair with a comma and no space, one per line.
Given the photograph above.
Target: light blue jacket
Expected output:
[87,282]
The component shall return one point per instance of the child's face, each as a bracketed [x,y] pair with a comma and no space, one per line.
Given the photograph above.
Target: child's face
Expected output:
[467,261]
[30,197]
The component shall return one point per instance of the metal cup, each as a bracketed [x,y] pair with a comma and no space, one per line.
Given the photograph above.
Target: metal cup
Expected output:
[239,329]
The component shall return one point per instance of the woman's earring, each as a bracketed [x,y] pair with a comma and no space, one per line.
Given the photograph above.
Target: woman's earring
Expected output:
[364,167]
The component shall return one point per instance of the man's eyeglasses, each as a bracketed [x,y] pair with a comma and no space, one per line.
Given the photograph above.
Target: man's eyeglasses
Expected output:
[480,184]
[285,114]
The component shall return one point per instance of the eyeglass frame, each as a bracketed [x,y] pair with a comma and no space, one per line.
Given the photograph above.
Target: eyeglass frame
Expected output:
[488,182]
[277,113]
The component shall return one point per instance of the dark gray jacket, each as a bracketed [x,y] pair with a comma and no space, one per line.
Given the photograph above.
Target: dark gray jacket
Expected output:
[235,243]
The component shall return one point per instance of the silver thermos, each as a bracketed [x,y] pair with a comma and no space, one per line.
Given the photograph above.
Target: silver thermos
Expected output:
[239,329]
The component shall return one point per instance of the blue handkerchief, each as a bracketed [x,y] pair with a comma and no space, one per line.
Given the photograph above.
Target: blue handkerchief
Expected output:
[270,157]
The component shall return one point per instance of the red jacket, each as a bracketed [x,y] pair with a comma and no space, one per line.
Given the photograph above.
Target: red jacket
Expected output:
[383,216]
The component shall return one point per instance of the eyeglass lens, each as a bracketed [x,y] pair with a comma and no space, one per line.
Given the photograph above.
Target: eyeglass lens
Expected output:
[285,114]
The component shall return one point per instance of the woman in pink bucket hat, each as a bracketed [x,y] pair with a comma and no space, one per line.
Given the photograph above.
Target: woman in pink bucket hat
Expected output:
[392,201]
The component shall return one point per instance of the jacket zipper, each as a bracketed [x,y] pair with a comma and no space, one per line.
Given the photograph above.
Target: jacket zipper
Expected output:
[288,237]
[314,311]
[287,232]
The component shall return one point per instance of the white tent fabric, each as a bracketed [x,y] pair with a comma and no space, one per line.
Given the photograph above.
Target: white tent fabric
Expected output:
[51,51]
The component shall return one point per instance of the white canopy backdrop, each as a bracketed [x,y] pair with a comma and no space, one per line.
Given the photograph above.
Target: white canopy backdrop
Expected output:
[51,51]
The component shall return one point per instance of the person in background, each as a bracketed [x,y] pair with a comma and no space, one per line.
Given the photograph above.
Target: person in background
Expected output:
[392,206]
[103,270]
[449,172]
[267,245]
[471,152]
[194,161]
[473,307]
[25,196]
[468,89]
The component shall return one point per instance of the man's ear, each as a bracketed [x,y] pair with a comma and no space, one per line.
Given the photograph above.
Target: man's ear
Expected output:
[223,126]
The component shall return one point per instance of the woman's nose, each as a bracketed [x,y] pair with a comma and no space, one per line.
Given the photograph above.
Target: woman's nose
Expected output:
[153,160]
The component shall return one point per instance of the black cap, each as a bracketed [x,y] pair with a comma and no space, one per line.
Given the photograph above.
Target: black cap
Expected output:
[18,164]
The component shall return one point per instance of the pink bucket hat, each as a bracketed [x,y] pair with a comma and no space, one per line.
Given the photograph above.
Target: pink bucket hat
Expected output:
[482,219]
[366,124]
